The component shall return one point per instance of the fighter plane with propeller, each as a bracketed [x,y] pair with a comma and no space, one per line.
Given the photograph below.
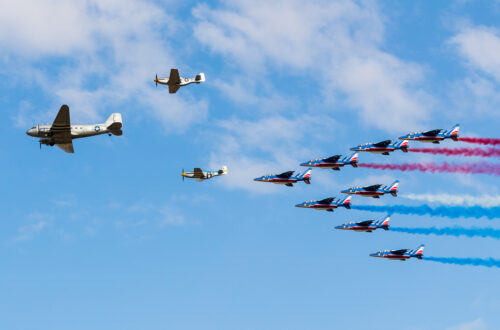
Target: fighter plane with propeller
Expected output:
[61,133]
[366,226]
[174,81]
[328,204]
[333,162]
[201,175]
[286,178]
[402,254]
[383,147]
[374,191]
[433,136]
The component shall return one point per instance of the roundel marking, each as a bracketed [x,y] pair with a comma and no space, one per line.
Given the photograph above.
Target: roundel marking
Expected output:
[97,128]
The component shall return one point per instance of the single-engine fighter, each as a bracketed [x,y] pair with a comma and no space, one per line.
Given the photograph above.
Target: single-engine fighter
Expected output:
[374,191]
[334,162]
[384,147]
[402,254]
[286,178]
[61,133]
[200,175]
[433,136]
[174,81]
[366,226]
[327,204]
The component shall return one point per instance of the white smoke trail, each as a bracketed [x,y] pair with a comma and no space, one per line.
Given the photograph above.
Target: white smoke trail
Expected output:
[464,200]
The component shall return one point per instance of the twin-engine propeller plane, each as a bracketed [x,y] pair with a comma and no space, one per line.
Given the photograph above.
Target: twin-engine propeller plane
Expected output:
[174,81]
[286,178]
[402,254]
[334,162]
[433,136]
[366,226]
[61,133]
[384,147]
[374,191]
[200,175]
[327,204]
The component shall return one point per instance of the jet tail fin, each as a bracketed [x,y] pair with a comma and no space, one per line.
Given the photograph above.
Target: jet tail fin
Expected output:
[393,188]
[353,160]
[114,123]
[453,133]
[403,145]
[306,176]
[346,202]
[384,224]
[200,77]
[418,252]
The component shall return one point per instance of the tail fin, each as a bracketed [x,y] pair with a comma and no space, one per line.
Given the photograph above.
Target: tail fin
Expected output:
[306,176]
[346,202]
[223,170]
[453,133]
[114,123]
[418,252]
[353,160]
[384,223]
[403,145]
[393,188]
[200,78]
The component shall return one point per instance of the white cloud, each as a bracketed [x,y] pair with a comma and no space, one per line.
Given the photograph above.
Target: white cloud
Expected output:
[38,222]
[335,45]
[477,324]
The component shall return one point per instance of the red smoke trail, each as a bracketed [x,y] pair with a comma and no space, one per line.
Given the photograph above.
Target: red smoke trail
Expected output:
[479,168]
[484,141]
[467,152]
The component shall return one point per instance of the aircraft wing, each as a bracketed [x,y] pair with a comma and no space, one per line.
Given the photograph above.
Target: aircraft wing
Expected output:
[68,147]
[285,175]
[434,132]
[372,188]
[332,159]
[399,252]
[364,223]
[62,123]
[326,200]
[174,77]
[198,173]
[173,89]
[382,143]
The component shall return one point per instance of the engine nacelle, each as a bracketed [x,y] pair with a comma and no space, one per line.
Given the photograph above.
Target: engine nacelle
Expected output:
[47,142]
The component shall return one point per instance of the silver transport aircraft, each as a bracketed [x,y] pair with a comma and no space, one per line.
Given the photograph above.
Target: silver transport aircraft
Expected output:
[175,81]
[61,133]
[200,175]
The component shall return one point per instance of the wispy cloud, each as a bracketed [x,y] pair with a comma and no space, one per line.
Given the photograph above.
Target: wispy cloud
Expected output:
[37,223]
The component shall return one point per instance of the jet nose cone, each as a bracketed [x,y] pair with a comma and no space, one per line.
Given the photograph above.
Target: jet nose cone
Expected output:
[373,254]
[354,148]
[258,179]
[301,205]
[345,191]
[338,227]
[306,163]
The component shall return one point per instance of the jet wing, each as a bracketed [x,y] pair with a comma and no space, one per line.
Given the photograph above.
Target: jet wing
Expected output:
[198,173]
[434,132]
[364,223]
[326,201]
[372,188]
[173,89]
[332,159]
[68,147]
[382,143]
[174,78]
[62,123]
[399,252]
[285,175]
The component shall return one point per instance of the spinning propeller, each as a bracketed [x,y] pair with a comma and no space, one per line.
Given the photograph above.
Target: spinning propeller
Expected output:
[156,81]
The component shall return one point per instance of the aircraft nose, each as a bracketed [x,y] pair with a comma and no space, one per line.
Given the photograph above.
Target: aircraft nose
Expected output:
[339,227]
[373,254]
[30,132]
[258,179]
[345,191]
[306,163]
[354,148]
[301,205]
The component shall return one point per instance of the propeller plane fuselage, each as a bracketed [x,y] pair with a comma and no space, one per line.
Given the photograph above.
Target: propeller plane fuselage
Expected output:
[174,81]
[201,175]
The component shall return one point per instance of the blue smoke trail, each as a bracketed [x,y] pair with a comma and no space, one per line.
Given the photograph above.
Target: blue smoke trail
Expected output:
[439,211]
[451,231]
[466,261]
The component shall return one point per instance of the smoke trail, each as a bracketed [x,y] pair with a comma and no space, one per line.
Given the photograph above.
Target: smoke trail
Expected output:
[466,200]
[467,152]
[466,261]
[483,141]
[451,231]
[439,211]
[479,168]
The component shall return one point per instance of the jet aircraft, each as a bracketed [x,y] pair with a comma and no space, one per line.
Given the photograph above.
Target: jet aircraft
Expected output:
[327,204]
[334,162]
[61,133]
[286,178]
[433,136]
[200,175]
[174,81]
[402,254]
[366,226]
[384,147]
[374,191]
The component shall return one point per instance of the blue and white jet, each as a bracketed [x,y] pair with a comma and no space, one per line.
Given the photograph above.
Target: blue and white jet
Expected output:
[374,191]
[366,226]
[327,204]
[286,178]
[402,254]
[433,136]
[333,162]
[383,147]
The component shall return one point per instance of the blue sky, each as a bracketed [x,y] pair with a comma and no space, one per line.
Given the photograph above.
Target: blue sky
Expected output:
[111,238]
